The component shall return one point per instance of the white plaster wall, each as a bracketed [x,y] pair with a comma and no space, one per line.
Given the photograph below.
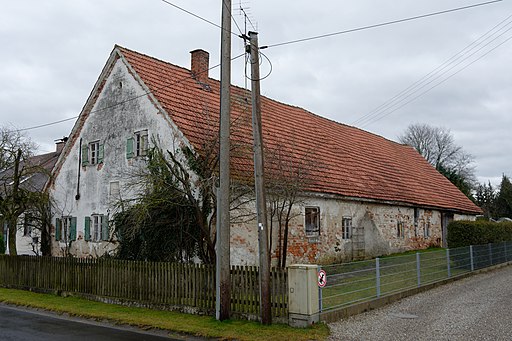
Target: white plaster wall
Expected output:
[112,127]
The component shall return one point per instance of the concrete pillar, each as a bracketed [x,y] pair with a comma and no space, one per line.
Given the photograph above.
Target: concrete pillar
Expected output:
[303,298]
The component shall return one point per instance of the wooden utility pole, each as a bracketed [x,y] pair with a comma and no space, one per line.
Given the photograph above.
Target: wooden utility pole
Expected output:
[259,180]
[223,266]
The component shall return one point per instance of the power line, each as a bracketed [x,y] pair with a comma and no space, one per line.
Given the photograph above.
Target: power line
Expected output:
[438,72]
[380,25]
[202,18]
[127,100]
[436,85]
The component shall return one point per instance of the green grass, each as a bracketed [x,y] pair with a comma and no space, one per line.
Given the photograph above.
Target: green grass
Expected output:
[356,282]
[203,326]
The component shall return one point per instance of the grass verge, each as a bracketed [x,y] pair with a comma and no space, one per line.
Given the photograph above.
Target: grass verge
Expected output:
[203,326]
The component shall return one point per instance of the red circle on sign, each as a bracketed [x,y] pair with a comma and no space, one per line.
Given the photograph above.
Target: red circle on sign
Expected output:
[322,278]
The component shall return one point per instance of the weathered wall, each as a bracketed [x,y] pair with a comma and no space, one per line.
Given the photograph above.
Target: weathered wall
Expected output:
[379,222]
[112,127]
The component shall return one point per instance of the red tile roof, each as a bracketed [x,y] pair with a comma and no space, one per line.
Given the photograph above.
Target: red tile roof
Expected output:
[345,160]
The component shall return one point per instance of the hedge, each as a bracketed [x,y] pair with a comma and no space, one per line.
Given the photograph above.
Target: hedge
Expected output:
[465,233]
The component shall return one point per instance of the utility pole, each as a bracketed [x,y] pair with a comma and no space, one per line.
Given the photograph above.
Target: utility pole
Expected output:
[223,265]
[259,181]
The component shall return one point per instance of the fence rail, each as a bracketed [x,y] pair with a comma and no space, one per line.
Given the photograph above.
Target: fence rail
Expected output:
[350,283]
[159,283]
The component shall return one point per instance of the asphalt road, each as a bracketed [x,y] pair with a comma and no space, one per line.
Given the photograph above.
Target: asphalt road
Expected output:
[475,308]
[17,324]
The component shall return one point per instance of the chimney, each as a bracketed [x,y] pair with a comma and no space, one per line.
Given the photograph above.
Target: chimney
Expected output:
[199,65]
[59,145]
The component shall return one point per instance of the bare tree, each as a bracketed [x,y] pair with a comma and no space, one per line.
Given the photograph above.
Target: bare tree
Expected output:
[438,147]
[16,193]
[286,182]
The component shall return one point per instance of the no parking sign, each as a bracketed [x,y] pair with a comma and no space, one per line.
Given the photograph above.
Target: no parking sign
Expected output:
[322,278]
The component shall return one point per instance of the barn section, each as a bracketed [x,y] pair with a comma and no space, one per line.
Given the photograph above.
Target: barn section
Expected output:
[364,195]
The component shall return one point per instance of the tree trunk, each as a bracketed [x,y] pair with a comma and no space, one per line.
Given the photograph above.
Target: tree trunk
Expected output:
[12,237]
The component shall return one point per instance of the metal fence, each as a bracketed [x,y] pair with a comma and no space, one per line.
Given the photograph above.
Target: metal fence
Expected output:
[355,282]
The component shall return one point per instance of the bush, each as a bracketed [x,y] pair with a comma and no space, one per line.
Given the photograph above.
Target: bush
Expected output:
[2,244]
[465,233]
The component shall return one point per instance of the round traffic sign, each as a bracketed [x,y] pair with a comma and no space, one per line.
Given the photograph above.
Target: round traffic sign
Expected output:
[322,278]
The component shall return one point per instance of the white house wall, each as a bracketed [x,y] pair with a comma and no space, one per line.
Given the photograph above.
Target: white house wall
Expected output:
[112,127]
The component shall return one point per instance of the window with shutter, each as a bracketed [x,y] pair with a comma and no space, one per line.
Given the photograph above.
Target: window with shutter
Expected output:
[85,155]
[87,228]
[104,228]
[129,148]
[101,153]
[72,228]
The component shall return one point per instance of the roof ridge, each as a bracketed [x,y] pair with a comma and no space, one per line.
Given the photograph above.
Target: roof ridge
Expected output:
[265,97]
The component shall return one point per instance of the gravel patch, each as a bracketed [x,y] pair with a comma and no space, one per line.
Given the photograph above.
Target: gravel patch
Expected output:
[474,308]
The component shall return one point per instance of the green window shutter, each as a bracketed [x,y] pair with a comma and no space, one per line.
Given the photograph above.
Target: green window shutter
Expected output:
[72,229]
[104,228]
[129,148]
[58,224]
[85,155]
[87,229]
[101,153]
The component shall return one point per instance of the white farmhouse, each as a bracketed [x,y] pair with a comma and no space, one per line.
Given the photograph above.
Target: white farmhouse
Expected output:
[365,195]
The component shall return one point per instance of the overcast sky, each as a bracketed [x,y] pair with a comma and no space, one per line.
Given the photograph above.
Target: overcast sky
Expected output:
[52,52]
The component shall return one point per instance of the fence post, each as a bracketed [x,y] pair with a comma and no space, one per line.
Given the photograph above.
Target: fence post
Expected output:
[303,298]
[448,263]
[490,254]
[319,293]
[418,272]
[471,258]
[377,275]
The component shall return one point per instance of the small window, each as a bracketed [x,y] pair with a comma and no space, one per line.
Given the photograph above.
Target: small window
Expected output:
[65,229]
[92,153]
[416,221]
[114,190]
[426,230]
[94,148]
[346,228]
[141,143]
[96,228]
[312,221]
[400,233]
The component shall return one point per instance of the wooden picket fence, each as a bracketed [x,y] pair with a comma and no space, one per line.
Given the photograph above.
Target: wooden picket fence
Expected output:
[157,283]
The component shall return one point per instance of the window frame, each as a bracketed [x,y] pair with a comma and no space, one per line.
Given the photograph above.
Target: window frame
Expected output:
[314,212]
[346,228]
[400,229]
[94,150]
[141,143]
[95,227]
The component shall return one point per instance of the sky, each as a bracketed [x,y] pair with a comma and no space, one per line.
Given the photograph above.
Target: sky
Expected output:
[451,70]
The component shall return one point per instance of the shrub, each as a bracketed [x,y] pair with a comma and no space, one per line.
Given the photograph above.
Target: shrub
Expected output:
[465,233]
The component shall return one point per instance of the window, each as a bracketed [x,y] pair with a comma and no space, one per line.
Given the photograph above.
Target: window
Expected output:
[426,230]
[137,145]
[92,153]
[346,228]
[96,228]
[141,143]
[416,221]
[27,225]
[114,189]
[312,221]
[400,233]
[65,229]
